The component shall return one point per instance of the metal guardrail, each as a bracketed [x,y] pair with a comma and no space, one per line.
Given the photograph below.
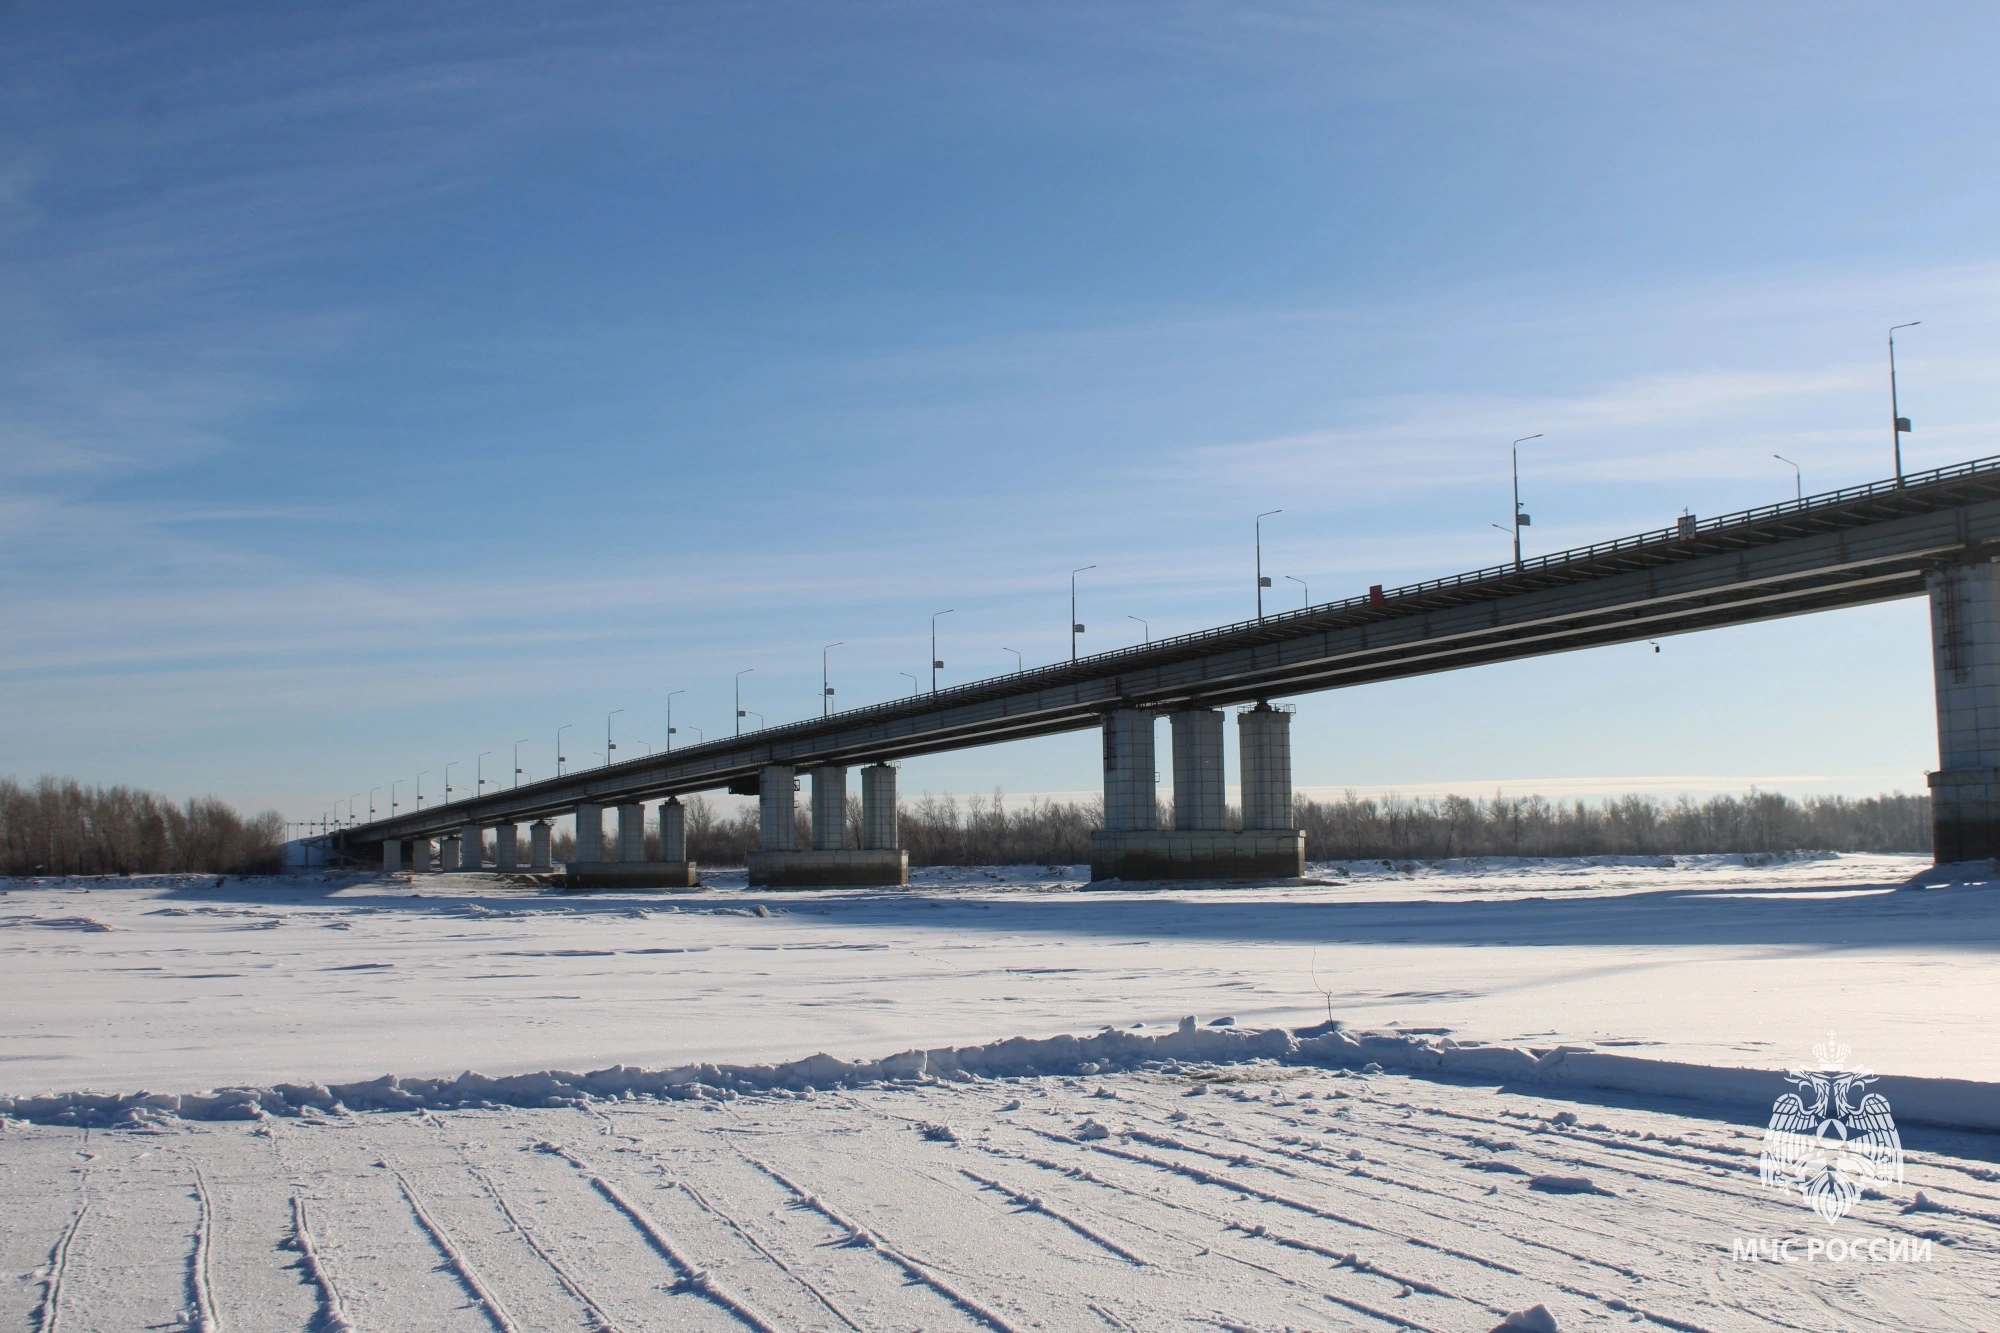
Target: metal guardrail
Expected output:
[1097,663]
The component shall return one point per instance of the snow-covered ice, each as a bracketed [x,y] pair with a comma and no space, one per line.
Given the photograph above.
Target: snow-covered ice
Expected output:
[1249,1171]
[179,986]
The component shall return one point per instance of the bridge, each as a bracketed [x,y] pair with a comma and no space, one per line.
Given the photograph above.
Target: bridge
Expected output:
[1934,534]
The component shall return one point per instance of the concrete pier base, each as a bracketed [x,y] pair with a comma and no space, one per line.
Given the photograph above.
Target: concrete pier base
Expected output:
[808,870]
[392,856]
[449,861]
[630,875]
[471,847]
[539,856]
[506,849]
[420,855]
[1965,655]
[1198,854]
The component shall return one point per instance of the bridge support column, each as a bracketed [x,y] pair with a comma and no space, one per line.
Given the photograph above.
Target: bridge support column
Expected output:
[1965,656]
[673,830]
[420,855]
[1199,847]
[879,832]
[448,861]
[540,857]
[829,864]
[392,856]
[589,834]
[471,847]
[829,808]
[632,832]
[506,849]
[1198,801]
[777,809]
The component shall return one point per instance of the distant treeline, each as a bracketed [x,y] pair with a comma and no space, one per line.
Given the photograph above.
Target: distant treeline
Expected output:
[61,827]
[943,830]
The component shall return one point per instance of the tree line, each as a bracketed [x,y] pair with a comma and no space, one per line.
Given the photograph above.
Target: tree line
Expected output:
[945,830]
[59,826]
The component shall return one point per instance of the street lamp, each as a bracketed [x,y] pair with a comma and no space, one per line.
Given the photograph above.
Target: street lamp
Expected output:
[1798,477]
[447,779]
[700,736]
[1144,625]
[609,744]
[561,759]
[350,807]
[1899,422]
[480,789]
[392,797]
[517,759]
[1305,593]
[759,716]
[739,697]
[935,664]
[1017,660]
[826,690]
[371,803]
[915,684]
[1075,628]
[1521,520]
[420,789]
[670,718]
[1262,582]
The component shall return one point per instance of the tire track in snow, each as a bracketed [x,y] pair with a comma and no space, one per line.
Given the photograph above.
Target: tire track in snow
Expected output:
[199,1280]
[603,1322]
[490,1304]
[692,1275]
[333,1311]
[1033,1204]
[861,1236]
[702,1202]
[52,1290]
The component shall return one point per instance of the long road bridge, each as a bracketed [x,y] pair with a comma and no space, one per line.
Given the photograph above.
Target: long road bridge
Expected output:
[1933,533]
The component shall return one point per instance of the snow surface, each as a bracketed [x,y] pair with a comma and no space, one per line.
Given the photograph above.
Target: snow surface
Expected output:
[1245,1197]
[180,985]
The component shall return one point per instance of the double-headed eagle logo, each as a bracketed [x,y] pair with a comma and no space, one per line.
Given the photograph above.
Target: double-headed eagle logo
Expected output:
[1832,1138]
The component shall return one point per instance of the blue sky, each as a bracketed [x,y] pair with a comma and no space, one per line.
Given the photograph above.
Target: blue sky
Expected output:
[380,384]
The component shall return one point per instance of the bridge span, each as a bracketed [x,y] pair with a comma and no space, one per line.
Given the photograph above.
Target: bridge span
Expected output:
[1934,534]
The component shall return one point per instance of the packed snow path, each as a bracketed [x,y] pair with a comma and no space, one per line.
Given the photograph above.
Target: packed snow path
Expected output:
[1185,1197]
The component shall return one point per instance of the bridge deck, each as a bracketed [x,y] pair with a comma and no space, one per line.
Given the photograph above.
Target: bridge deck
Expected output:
[1849,547]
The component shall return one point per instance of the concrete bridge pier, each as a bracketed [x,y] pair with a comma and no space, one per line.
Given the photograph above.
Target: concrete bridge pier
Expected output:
[830,863]
[1198,846]
[878,810]
[448,859]
[392,855]
[673,830]
[1965,656]
[471,847]
[627,866]
[540,856]
[589,834]
[506,849]
[420,855]
[631,832]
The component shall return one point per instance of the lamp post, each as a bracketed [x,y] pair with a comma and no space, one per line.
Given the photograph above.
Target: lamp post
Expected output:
[1145,626]
[700,736]
[517,759]
[1075,628]
[447,779]
[480,789]
[350,808]
[392,797]
[915,684]
[371,803]
[670,718]
[1017,660]
[1798,477]
[1899,423]
[560,758]
[759,716]
[420,789]
[1262,582]
[935,664]
[609,744]
[826,690]
[739,697]
[1305,593]
[1521,520]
